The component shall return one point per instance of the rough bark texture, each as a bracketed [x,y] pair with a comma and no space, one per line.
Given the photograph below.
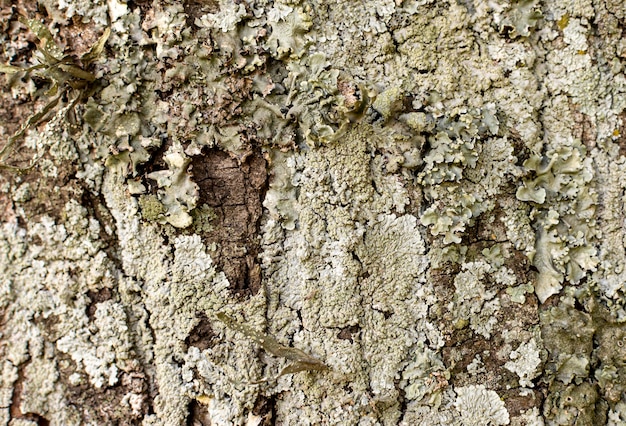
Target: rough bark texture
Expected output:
[315,212]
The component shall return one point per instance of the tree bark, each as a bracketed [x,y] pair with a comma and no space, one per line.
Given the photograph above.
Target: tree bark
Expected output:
[304,212]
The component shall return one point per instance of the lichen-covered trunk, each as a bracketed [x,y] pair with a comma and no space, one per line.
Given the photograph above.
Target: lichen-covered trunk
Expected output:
[309,212]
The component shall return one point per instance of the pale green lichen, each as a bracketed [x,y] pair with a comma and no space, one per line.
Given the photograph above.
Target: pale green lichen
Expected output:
[450,219]
[455,150]
[229,15]
[100,350]
[415,382]
[151,208]
[518,294]
[570,354]
[611,274]
[280,199]
[519,17]
[187,281]
[289,32]
[525,362]
[68,261]
[480,406]
[454,146]
[390,102]
[203,218]
[332,246]
[177,192]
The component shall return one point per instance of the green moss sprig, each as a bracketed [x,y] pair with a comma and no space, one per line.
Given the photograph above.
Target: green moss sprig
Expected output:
[67,74]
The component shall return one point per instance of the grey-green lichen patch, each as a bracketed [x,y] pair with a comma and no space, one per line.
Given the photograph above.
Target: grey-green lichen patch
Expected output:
[570,354]
[203,218]
[585,379]
[576,404]
[56,274]
[518,293]
[281,195]
[151,208]
[339,276]
[518,18]
[457,192]
[565,200]
[173,288]
[609,277]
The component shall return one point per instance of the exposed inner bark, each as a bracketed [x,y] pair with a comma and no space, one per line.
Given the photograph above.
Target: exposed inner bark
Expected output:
[235,193]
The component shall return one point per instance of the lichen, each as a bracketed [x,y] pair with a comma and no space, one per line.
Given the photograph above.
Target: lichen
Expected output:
[418,151]
[525,362]
[178,193]
[151,208]
[473,302]
[480,406]
[519,18]
[564,216]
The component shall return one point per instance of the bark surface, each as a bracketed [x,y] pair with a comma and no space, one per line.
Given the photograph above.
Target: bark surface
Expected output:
[395,212]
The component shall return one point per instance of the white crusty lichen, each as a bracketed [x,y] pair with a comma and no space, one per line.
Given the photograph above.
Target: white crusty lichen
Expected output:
[479,406]
[100,348]
[473,302]
[174,287]
[525,361]
[48,280]
[350,264]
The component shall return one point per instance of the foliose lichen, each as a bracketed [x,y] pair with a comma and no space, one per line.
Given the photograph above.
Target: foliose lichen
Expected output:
[480,406]
[564,214]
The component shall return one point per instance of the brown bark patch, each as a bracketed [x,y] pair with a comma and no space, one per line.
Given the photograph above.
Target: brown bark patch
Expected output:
[202,336]
[46,196]
[108,405]
[518,400]
[16,401]
[234,191]
[265,407]
[584,127]
[197,8]
[96,297]
[198,414]
[347,332]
